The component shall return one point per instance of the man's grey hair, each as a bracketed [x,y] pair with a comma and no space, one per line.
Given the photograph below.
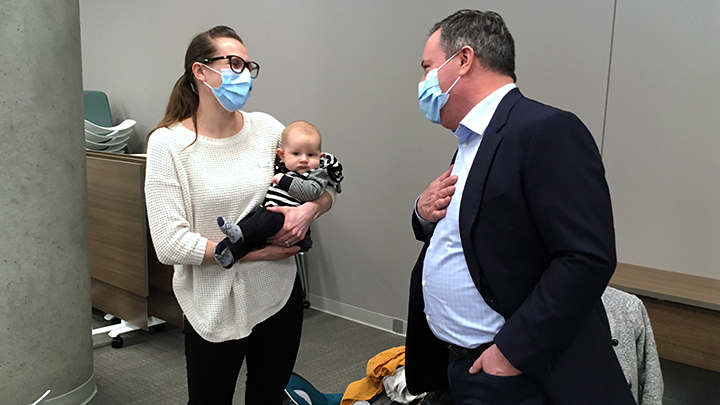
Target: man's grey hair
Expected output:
[485,32]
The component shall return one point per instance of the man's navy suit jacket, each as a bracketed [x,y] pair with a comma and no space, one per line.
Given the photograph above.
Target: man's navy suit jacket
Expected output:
[537,233]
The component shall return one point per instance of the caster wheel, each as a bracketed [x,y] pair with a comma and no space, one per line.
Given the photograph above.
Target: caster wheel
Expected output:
[159,327]
[115,321]
[306,304]
[117,342]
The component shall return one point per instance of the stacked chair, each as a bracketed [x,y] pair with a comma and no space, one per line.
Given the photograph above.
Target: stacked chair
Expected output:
[100,134]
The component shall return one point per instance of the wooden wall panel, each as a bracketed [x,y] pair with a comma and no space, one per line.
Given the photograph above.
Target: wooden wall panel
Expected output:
[685,334]
[684,311]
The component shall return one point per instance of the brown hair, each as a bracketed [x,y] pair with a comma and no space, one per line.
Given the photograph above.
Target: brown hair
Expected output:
[184,98]
[485,32]
[304,128]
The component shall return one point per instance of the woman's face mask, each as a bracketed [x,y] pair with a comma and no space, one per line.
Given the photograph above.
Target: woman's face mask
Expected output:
[431,97]
[234,90]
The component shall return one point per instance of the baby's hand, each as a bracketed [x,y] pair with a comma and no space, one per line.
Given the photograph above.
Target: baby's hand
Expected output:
[276,178]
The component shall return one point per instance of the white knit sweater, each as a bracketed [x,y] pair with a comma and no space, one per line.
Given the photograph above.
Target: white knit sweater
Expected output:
[186,190]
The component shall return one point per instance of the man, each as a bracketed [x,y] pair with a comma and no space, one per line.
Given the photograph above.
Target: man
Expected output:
[519,240]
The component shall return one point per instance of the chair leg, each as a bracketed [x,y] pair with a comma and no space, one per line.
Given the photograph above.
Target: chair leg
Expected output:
[302,272]
[115,330]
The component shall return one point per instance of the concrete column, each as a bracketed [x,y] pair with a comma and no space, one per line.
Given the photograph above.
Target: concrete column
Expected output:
[45,309]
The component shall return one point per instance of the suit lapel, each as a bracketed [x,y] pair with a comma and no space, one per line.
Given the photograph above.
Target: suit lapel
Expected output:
[475,184]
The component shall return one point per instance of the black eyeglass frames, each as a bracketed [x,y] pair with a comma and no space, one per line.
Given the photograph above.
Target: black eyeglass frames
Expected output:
[237,64]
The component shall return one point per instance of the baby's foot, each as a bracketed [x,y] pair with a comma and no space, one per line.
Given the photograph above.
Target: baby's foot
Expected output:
[232,231]
[223,255]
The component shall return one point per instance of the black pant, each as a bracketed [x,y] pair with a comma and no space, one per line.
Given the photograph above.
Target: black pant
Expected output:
[271,350]
[257,227]
[487,389]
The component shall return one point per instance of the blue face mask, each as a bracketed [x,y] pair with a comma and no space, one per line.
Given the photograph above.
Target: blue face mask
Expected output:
[431,97]
[234,90]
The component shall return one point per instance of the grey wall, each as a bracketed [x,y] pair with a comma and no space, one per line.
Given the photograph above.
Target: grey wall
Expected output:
[662,139]
[352,68]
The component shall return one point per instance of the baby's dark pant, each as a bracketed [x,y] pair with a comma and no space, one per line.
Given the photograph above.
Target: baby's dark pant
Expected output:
[260,225]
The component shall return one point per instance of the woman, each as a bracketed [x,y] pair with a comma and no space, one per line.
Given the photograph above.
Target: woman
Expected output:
[208,159]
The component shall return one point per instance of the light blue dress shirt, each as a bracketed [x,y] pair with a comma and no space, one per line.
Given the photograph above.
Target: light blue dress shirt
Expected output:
[455,310]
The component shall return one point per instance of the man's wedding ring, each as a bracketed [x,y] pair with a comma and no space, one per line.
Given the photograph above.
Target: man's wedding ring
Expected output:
[287,244]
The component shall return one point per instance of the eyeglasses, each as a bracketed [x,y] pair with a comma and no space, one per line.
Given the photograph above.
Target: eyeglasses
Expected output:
[237,64]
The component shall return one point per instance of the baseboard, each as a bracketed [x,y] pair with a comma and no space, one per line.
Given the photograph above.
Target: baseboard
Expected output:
[359,315]
[79,396]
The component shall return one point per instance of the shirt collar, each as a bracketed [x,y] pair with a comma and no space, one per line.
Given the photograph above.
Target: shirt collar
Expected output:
[477,120]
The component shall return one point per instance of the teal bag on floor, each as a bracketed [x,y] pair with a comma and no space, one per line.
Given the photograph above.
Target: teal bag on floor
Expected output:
[300,392]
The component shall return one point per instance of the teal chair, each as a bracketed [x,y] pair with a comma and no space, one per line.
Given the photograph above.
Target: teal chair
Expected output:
[300,392]
[97,108]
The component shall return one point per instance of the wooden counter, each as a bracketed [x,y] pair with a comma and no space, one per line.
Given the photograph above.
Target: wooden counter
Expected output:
[684,311]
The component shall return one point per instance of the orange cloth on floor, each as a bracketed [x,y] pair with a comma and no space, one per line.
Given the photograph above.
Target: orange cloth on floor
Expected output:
[383,364]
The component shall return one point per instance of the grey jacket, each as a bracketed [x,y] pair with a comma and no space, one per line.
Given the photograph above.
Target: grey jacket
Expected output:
[634,345]
[295,188]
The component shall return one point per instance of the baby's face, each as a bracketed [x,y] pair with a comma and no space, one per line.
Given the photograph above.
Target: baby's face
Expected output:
[301,152]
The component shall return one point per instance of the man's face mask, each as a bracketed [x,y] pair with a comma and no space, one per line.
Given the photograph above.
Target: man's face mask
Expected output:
[234,90]
[431,97]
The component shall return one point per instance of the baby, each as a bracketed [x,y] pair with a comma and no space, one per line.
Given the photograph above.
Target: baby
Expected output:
[303,173]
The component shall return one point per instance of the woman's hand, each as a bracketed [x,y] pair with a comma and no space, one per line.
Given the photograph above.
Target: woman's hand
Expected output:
[271,252]
[298,220]
[209,252]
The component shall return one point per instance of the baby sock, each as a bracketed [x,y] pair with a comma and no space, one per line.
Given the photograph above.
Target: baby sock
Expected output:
[223,255]
[232,231]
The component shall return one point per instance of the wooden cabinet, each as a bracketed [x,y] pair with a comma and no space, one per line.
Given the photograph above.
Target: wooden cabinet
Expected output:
[127,279]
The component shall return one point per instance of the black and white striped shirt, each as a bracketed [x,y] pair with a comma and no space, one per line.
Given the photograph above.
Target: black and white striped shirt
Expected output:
[294,188]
